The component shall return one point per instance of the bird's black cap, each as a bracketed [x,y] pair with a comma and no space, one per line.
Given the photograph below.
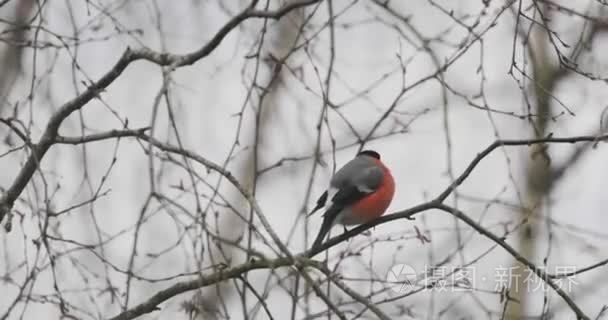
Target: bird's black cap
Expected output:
[370,153]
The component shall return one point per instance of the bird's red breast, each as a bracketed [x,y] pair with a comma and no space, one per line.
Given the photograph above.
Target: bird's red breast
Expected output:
[375,204]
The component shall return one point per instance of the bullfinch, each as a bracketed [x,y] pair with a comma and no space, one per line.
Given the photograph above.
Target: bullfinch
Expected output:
[359,192]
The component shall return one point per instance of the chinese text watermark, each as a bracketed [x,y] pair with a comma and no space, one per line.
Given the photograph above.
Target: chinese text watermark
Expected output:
[403,278]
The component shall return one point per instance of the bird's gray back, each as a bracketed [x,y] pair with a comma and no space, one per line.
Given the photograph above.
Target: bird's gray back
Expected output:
[362,172]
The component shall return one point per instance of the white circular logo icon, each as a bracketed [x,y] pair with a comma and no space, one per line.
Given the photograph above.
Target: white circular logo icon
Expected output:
[401,277]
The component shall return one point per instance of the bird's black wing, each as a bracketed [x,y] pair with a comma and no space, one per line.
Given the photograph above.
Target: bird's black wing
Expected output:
[347,196]
[342,199]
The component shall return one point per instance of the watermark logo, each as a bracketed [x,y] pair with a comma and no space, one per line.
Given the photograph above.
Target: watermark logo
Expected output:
[401,277]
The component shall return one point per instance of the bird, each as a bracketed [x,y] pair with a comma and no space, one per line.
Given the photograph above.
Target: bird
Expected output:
[358,193]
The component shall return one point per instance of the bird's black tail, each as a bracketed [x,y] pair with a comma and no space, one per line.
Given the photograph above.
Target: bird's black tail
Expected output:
[328,221]
[320,203]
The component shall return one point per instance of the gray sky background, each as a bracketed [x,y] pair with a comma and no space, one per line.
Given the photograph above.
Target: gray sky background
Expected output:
[207,96]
